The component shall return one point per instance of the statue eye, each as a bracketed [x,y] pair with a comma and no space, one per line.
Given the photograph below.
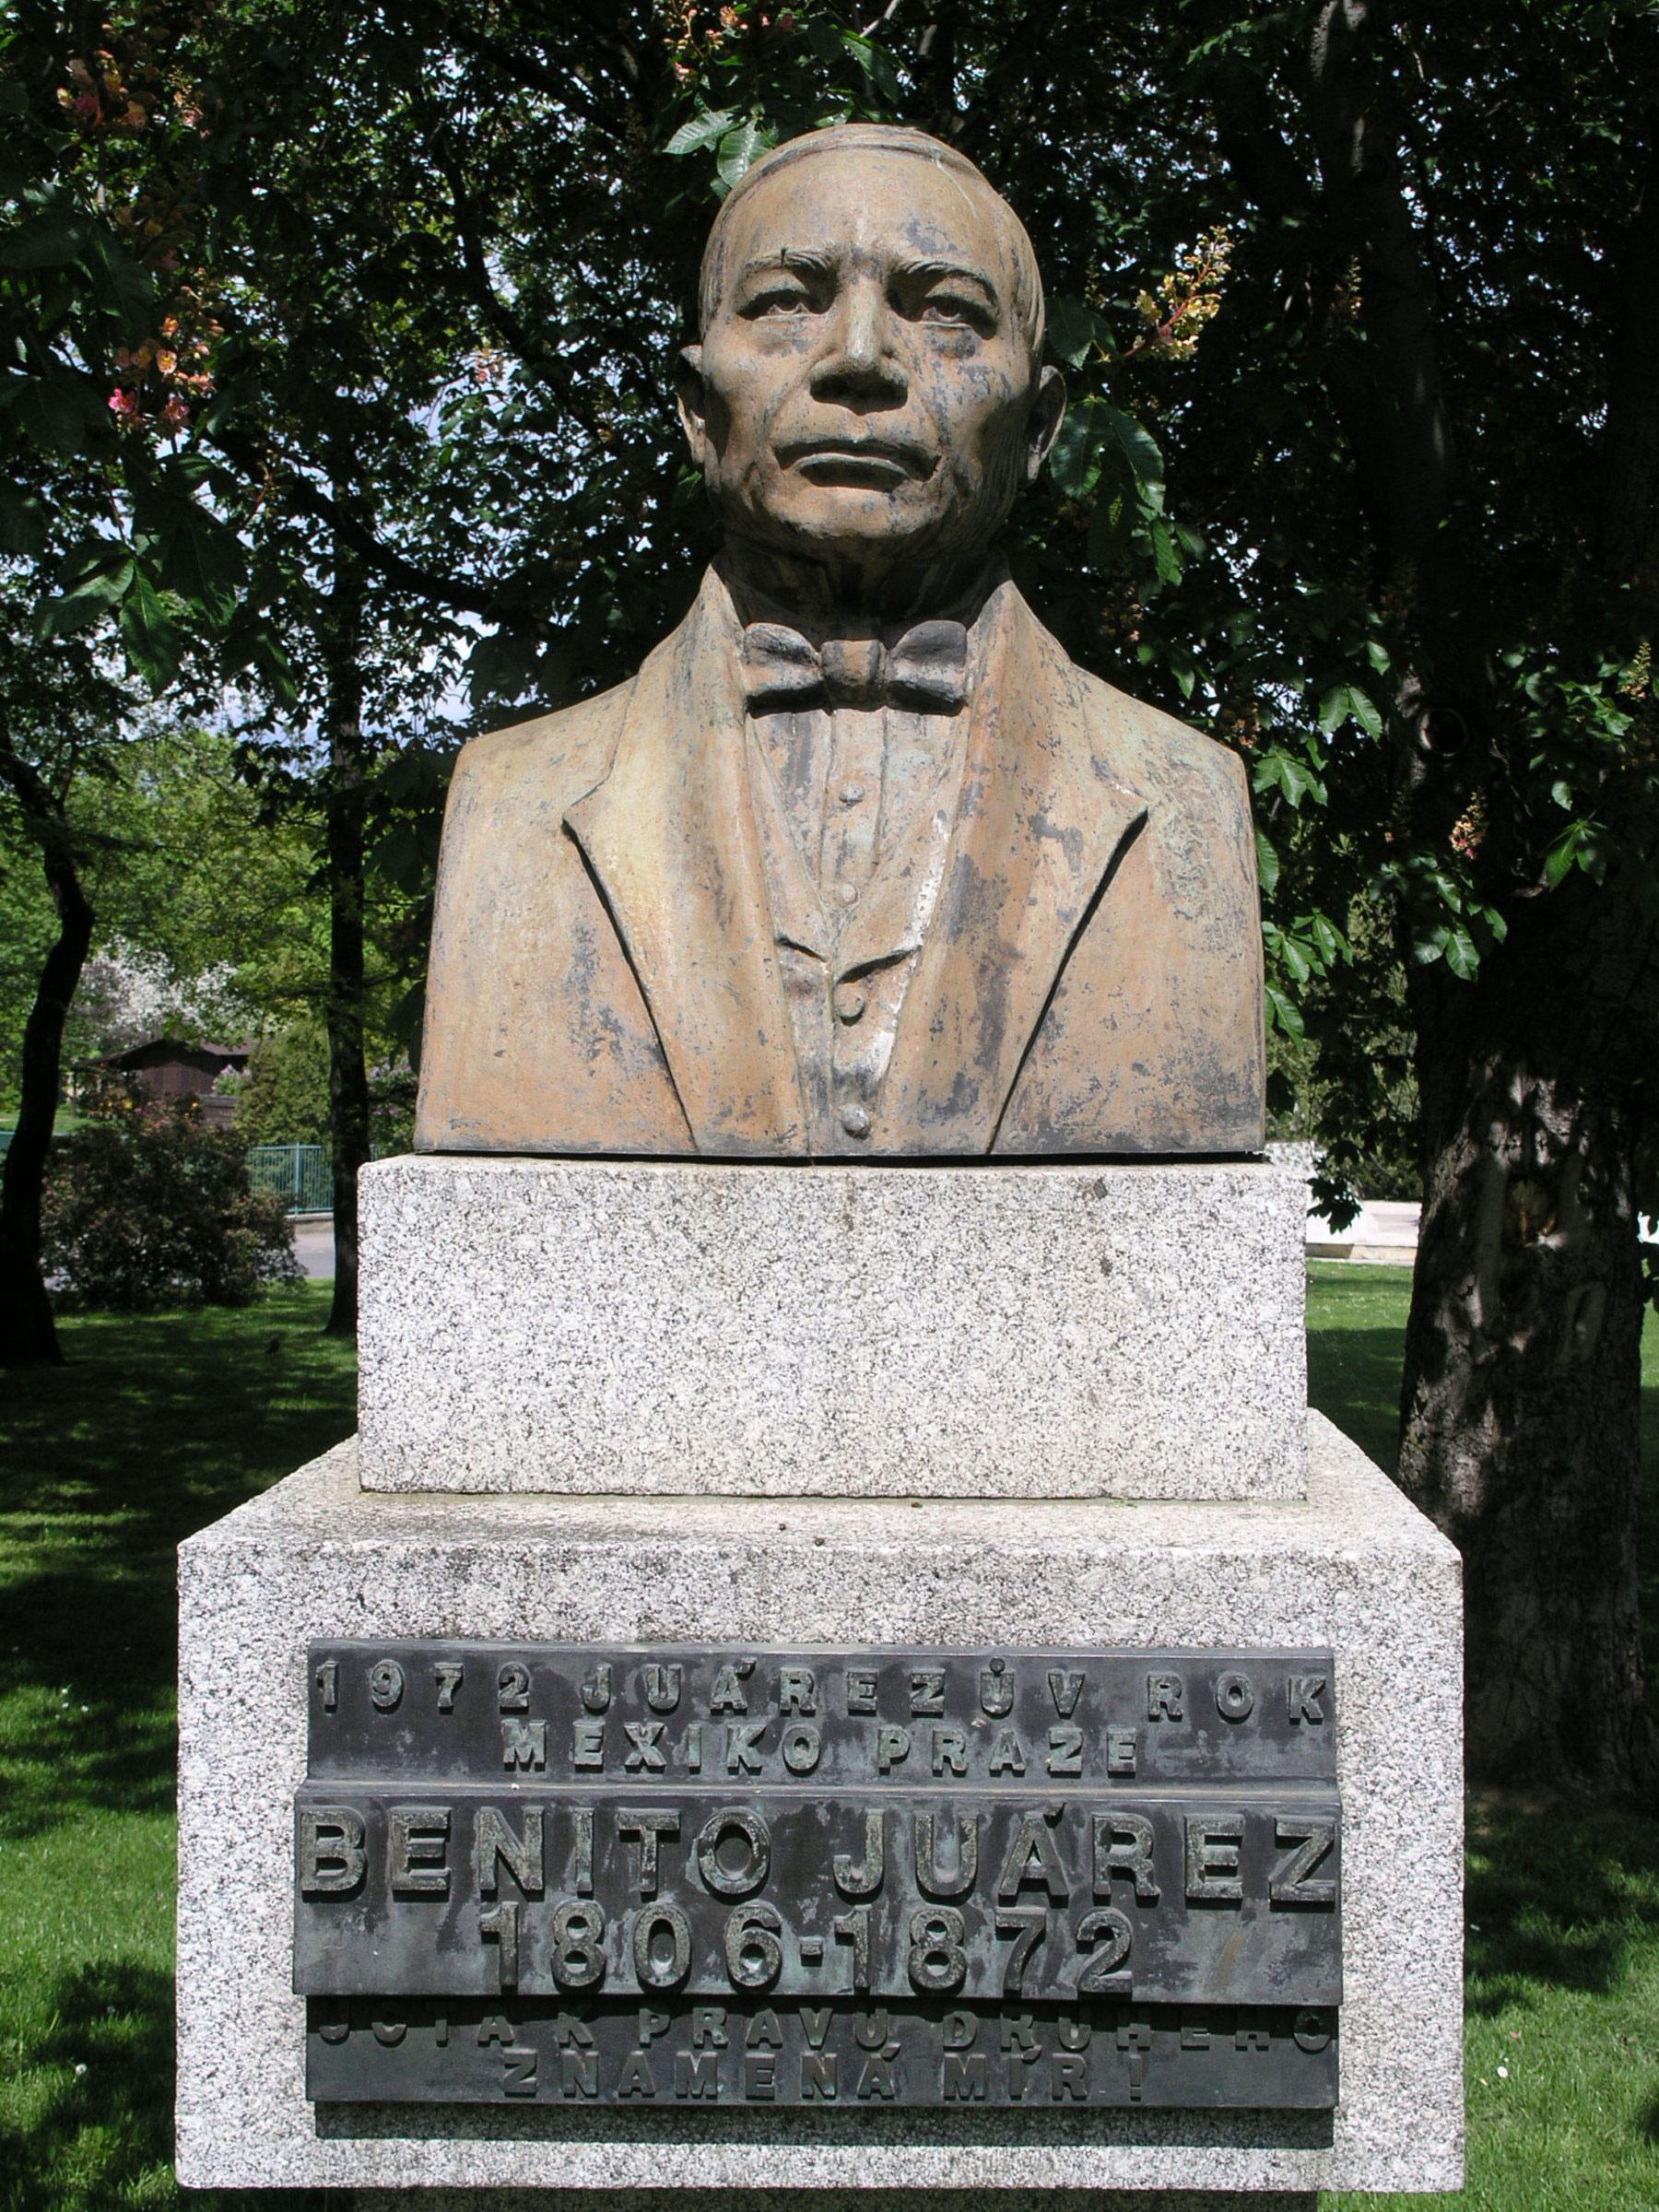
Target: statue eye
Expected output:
[779,299]
[956,311]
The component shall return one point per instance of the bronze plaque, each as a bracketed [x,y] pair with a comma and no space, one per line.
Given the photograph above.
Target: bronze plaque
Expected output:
[595,1873]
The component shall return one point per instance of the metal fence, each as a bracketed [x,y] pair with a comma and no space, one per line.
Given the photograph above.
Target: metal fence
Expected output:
[300,1173]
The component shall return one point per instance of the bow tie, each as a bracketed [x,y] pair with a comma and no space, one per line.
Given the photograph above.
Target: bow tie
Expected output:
[927,670]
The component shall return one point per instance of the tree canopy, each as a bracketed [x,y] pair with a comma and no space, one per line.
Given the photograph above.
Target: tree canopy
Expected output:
[341,346]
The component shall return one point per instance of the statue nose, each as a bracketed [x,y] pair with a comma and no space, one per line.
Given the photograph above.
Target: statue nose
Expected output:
[860,359]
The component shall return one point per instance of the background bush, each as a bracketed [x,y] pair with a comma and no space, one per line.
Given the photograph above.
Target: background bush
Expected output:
[147,1205]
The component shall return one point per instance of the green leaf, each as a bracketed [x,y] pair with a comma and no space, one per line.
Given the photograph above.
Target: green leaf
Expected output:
[1334,707]
[1277,770]
[1460,955]
[740,148]
[1364,712]
[120,283]
[247,643]
[47,240]
[875,63]
[201,560]
[1075,458]
[148,633]
[1295,959]
[63,618]
[702,130]
[1558,861]
[1136,446]
[96,578]
[1073,331]
[55,410]
[22,524]
[1108,530]
[1282,1013]
[1267,866]
[100,571]
[1326,939]
[1164,551]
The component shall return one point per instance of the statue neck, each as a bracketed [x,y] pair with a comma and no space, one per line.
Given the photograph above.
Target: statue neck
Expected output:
[824,599]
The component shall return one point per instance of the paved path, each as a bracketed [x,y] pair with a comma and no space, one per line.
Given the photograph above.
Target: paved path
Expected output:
[1384,1232]
[313,1246]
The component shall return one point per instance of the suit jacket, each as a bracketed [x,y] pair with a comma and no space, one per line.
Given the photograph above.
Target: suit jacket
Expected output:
[604,970]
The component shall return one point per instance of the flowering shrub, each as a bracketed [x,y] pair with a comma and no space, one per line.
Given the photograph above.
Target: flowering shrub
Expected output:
[147,1205]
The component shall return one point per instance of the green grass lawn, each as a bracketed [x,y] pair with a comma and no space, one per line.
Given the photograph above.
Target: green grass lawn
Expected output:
[1562,1950]
[160,1425]
[156,1426]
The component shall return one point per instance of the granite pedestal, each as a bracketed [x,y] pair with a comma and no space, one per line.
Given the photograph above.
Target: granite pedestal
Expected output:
[1056,1330]
[1351,1566]
[799,1406]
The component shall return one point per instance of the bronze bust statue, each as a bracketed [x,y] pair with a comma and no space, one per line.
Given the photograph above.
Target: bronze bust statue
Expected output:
[859,864]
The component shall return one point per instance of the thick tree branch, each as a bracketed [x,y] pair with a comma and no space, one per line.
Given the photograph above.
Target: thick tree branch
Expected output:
[1627,534]
[28,1337]
[1393,393]
[935,64]
[561,86]
[508,602]
[507,325]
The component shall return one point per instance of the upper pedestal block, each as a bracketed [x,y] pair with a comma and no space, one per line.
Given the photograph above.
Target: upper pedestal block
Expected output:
[1063,1330]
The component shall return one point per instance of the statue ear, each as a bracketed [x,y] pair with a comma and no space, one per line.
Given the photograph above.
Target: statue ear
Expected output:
[692,402]
[1042,425]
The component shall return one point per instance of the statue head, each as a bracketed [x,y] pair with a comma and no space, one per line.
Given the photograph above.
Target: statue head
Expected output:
[867,398]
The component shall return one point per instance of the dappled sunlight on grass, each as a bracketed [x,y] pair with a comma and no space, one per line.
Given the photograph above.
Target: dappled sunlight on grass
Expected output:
[1563,1961]
[163,1422]
[1561,1996]
[158,1424]
[1356,1344]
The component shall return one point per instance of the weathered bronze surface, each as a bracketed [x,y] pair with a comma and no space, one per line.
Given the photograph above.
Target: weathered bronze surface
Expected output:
[506,1854]
[860,863]
[758,2055]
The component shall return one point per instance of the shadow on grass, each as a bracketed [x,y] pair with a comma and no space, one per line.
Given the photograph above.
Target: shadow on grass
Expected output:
[1559,1897]
[105,2126]
[1356,1350]
[1354,1379]
[158,1424]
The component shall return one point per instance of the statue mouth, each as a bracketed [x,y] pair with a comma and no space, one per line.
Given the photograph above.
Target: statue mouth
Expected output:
[858,464]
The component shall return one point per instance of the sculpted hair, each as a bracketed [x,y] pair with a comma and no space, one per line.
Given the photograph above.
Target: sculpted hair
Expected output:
[882,138]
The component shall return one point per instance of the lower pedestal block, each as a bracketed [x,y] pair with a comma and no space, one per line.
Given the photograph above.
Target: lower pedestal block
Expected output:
[1354,1569]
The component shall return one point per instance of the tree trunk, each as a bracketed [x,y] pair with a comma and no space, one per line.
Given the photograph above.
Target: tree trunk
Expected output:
[1519,1399]
[27,1335]
[1519,1404]
[344,807]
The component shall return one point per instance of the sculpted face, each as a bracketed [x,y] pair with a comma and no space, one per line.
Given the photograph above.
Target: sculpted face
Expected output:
[865,397]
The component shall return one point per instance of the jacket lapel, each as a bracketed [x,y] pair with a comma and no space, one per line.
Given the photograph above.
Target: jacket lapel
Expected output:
[669,837]
[1043,818]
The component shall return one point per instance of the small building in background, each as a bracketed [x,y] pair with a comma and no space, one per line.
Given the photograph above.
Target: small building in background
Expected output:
[166,1067]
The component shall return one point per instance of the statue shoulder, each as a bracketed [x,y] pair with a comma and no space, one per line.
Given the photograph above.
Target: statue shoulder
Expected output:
[544,764]
[1169,762]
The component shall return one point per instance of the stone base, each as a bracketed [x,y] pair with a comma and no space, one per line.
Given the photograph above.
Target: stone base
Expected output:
[1354,1568]
[1055,1330]
[837,2200]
